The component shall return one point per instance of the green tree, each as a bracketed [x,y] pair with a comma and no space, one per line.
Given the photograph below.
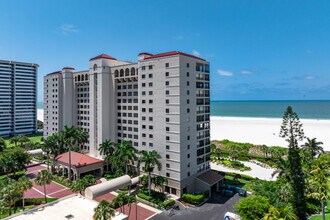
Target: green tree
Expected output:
[24,184]
[81,137]
[107,148]
[130,201]
[313,147]
[9,193]
[70,137]
[124,154]
[285,213]
[44,178]
[104,211]
[252,207]
[150,159]
[234,155]
[120,201]
[3,144]
[292,132]
[265,150]
[40,125]
[14,140]
[282,168]
[160,181]
[22,139]
[319,185]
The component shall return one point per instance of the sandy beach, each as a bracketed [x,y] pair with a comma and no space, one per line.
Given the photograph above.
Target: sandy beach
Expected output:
[265,130]
[40,114]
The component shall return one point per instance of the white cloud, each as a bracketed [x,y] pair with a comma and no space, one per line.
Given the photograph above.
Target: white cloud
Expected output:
[246,72]
[309,77]
[178,37]
[225,73]
[196,53]
[68,28]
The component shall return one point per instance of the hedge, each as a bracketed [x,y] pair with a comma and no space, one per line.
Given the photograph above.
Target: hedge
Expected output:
[145,197]
[168,203]
[193,199]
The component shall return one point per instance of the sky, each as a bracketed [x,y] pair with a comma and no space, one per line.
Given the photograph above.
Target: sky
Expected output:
[257,49]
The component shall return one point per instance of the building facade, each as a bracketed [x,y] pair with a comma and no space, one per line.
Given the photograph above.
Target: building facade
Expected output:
[18,98]
[161,102]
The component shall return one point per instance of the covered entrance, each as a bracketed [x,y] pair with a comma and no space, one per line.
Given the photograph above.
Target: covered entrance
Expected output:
[209,180]
[81,164]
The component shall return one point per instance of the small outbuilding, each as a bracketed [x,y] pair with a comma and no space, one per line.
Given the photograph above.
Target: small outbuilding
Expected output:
[209,180]
[80,164]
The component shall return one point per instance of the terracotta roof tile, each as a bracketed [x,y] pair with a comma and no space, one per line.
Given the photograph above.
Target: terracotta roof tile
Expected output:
[172,53]
[103,56]
[77,159]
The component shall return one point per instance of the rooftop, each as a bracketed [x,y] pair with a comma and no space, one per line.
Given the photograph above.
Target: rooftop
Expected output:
[172,53]
[210,177]
[76,207]
[103,56]
[77,159]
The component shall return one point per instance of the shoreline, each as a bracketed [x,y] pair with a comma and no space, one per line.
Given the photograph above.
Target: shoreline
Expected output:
[265,130]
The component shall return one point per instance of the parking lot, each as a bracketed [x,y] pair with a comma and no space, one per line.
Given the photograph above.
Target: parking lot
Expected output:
[214,208]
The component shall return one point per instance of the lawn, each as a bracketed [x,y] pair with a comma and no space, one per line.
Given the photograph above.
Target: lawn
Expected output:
[327,213]
[34,138]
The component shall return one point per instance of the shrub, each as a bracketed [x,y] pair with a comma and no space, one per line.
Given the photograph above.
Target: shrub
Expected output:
[193,199]
[145,197]
[168,203]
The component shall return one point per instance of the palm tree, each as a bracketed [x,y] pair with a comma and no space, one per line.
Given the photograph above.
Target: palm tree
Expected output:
[283,168]
[150,160]
[14,140]
[265,150]
[314,147]
[160,181]
[217,151]
[120,200]
[130,200]
[44,178]
[234,155]
[107,148]
[22,139]
[124,154]
[104,211]
[9,193]
[3,144]
[319,185]
[24,184]
[79,185]
[285,213]
[81,137]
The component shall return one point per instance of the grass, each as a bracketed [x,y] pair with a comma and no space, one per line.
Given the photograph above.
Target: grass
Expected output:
[327,213]
[33,138]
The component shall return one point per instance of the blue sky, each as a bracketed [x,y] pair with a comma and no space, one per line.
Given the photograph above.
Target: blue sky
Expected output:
[259,50]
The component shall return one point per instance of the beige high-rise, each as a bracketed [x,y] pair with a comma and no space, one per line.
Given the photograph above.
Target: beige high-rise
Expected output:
[160,103]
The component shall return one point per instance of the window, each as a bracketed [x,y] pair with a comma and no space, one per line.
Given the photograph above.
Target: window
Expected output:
[151,144]
[150,68]
[167,138]
[143,67]
[167,174]
[151,127]
[167,92]
[188,155]
[167,74]
[188,92]
[188,137]
[150,119]
[167,165]
[150,110]
[187,65]
[143,92]
[150,92]
[143,85]
[167,101]
[188,110]
[187,74]
[167,83]
[188,101]
[167,156]
[167,129]
[167,110]
[188,174]
[188,146]
[167,65]
[150,84]
[143,76]
[150,75]
[167,119]
[187,83]
[167,147]
[151,136]
[150,101]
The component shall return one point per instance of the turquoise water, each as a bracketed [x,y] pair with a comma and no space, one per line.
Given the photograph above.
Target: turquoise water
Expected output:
[271,109]
[267,109]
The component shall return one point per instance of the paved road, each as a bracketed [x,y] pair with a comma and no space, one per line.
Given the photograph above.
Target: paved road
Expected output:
[215,209]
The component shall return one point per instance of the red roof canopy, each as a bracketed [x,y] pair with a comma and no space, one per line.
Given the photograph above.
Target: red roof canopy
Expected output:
[77,159]
[68,68]
[103,56]
[53,73]
[145,53]
[172,53]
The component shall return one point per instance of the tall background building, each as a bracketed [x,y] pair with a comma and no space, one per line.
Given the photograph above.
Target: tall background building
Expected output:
[18,98]
[161,102]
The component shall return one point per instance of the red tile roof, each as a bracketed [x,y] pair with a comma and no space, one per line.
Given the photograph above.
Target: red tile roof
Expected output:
[145,53]
[53,73]
[77,159]
[103,56]
[172,53]
[68,68]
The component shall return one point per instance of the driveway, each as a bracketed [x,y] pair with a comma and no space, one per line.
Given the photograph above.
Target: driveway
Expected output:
[215,208]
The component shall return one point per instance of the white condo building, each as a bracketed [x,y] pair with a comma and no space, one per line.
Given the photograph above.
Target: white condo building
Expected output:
[18,98]
[161,102]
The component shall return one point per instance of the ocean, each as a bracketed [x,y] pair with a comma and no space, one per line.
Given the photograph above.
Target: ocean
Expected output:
[267,109]
[271,109]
